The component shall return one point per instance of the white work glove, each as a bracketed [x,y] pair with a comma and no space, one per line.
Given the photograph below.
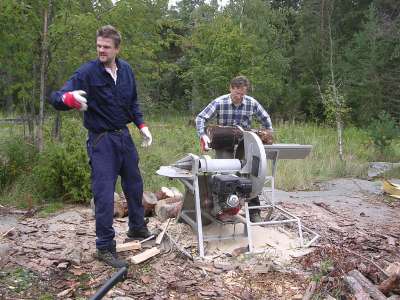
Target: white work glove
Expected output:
[205,143]
[147,138]
[75,99]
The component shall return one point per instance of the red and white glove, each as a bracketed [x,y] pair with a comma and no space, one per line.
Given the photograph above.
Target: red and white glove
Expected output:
[147,138]
[75,99]
[205,143]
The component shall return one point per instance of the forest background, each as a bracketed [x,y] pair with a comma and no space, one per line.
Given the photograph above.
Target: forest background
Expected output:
[328,67]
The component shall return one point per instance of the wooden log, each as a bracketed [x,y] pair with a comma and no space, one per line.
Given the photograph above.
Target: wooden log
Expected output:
[310,291]
[149,201]
[389,284]
[134,245]
[120,208]
[177,194]
[370,288]
[162,233]
[166,193]
[137,259]
[168,208]
[356,288]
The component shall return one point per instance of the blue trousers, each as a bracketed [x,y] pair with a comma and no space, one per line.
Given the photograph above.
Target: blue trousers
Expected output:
[113,153]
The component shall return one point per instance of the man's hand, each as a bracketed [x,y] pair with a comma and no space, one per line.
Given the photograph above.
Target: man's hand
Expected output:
[75,99]
[205,142]
[147,138]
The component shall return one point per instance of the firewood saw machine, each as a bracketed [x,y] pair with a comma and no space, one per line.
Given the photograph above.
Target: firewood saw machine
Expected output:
[218,189]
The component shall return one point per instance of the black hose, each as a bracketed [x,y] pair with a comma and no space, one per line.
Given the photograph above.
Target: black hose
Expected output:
[109,284]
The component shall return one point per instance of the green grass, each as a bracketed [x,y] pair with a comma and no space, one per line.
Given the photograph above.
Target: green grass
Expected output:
[175,136]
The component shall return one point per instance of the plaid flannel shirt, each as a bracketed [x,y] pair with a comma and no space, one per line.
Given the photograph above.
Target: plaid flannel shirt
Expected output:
[229,114]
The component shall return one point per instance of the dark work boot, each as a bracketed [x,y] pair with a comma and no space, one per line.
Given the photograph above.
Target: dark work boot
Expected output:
[255,216]
[109,256]
[139,234]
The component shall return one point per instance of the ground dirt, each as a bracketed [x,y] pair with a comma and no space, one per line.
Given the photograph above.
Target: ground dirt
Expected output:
[53,257]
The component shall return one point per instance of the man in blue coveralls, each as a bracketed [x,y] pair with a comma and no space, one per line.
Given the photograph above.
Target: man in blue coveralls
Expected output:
[105,90]
[235,108]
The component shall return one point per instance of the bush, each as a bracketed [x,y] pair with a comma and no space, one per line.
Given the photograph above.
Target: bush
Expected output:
[383,131]
[16,159]
[63,170]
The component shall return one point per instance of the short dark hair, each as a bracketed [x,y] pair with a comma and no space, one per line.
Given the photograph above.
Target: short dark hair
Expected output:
[110,32]
[240,81]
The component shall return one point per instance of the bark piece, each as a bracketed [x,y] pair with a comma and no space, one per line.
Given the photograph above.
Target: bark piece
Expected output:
[134,245]
[310,291]
[371,289]
[137,259]
[390,284]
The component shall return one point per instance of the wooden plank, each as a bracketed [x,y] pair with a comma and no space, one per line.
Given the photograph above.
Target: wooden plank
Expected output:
[162,233]
[134,245]
[137,259]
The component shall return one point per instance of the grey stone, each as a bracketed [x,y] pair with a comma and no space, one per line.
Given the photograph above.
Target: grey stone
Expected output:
[378,168]
[67,217]
[4,250]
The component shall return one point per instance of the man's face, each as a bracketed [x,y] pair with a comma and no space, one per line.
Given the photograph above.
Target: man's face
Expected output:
[237,93]
[106,50]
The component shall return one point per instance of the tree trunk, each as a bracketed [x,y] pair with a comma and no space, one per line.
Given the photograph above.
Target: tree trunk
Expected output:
[43,69]
[338,116]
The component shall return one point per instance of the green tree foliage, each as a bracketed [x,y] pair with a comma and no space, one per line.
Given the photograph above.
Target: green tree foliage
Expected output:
[184,56]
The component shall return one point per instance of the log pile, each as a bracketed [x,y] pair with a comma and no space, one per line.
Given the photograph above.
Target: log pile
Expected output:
[166,203]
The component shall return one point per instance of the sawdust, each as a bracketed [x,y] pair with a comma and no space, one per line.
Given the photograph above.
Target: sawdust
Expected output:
[280,245]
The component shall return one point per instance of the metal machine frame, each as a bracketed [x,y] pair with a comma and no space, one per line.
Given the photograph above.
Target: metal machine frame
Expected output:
[189,177]
[287,151]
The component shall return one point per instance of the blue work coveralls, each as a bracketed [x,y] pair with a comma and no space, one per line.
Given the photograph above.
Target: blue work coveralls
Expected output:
[111,151]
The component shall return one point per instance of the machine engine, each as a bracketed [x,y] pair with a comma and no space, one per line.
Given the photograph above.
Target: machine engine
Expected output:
[228,192]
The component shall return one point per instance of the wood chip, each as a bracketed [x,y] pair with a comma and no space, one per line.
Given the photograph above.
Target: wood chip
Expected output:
[137,259]
[134,245]
[162,233]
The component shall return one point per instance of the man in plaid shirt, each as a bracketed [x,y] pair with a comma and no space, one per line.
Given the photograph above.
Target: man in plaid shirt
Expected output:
[233,109]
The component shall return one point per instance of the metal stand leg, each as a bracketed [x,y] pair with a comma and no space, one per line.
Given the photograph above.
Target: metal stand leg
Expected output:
[248,227]
[198,217]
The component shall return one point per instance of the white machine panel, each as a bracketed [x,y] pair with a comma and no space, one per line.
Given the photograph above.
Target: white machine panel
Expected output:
[287,151]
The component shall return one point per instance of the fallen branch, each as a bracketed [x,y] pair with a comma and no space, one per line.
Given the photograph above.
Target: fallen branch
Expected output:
[368,260]
[325,206]
[181,250]
[7,232]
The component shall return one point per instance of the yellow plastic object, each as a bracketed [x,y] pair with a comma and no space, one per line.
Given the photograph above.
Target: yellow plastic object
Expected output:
[391,188]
